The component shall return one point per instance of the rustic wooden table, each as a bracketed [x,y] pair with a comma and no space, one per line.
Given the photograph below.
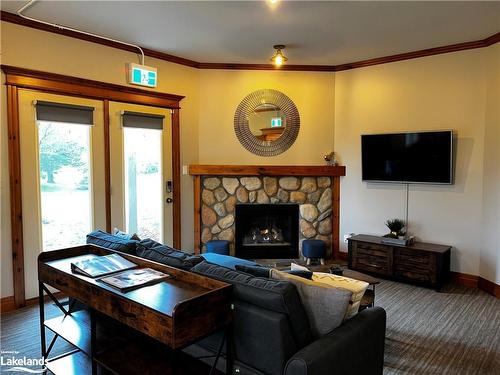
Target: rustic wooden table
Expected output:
[172,312]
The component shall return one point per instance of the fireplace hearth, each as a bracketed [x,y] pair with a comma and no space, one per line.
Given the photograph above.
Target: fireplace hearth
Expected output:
[269,231]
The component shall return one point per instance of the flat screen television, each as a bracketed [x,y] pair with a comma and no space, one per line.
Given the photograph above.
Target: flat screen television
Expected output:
[419,157]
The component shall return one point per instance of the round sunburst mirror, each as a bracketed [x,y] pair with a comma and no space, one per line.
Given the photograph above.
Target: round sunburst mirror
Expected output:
[266,122]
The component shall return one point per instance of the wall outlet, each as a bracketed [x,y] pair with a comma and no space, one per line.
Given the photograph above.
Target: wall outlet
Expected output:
[185,170]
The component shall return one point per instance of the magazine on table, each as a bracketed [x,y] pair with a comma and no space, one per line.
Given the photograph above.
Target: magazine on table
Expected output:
[101,265]
[133,279]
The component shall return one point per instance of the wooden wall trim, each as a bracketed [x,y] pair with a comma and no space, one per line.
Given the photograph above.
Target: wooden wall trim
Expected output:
[287,67]
[197,214]
[266,170]
[470,281]
[336,217]
[14,18]
[7,304]
[176,178]
[421,53]
[73,86]
[107,165]
[16,209]
[489,287]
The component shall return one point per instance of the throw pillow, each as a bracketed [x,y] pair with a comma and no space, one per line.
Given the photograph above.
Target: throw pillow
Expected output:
[117,232]
[257,271]
[357,287]
[112,242]
[226,260]
[326,306]
[260,271]
[158,252]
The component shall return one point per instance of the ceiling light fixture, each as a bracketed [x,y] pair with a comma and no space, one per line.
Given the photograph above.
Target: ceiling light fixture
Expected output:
[279,58]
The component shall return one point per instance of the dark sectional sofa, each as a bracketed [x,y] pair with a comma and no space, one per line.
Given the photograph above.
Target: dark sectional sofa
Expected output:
[272,335]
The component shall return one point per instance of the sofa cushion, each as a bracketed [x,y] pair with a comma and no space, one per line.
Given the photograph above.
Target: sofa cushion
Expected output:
[227,260]
[257,271]
[357,287]
[260,271]
[112,242]
[325,305]
[274,295]
[158,252]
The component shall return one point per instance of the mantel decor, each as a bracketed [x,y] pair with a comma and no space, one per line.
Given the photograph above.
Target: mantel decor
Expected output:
[250,122]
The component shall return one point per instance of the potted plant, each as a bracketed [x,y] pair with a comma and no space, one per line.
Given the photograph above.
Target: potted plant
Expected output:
[396,226]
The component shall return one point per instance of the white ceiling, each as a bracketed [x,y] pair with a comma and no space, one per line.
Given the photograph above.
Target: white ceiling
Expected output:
[324,32]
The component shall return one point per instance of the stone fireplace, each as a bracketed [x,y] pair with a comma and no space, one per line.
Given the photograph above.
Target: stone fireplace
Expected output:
[266,211]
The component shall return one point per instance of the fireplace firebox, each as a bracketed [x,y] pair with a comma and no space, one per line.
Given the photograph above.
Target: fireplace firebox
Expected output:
[267,231]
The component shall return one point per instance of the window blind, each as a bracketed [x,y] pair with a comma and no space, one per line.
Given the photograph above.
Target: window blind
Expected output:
[68,113]
[142,120]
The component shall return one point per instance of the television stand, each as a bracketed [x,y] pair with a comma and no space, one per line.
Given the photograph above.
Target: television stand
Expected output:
[419,263]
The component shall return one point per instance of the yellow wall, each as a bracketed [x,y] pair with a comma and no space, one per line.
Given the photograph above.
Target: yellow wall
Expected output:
[223,90]
[439,92]
[490,234]
[29,48]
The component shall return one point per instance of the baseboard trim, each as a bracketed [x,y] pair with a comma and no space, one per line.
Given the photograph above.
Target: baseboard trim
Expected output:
[342,255]
[470,281]
[7,303]
[489,287]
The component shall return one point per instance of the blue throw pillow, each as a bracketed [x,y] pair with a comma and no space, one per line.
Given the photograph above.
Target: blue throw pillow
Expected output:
[227,260]
[160,253]
[117,232]
[257,271]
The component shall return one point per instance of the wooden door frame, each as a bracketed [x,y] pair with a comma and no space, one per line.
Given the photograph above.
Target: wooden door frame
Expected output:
[16,78]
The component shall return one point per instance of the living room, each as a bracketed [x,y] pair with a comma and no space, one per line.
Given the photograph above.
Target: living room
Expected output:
[382,78]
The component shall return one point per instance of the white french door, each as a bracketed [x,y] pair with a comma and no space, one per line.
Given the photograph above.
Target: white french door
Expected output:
[62,174]
[141,170]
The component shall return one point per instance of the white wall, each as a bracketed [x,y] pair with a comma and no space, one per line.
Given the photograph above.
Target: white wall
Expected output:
[439,92]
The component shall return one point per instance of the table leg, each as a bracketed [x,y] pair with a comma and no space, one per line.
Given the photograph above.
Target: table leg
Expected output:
[93,333]
[41,302]
[229,349]
[373,303]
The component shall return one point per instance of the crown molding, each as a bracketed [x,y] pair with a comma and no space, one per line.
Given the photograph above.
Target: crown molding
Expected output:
[14,18]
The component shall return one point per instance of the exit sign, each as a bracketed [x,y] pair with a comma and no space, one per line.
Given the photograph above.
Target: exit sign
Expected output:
[142,75]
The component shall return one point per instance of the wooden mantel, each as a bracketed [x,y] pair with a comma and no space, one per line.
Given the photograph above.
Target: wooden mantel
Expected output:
[266,170]
[335,172]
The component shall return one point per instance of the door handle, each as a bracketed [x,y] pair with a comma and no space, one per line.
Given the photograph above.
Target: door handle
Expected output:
[169,200]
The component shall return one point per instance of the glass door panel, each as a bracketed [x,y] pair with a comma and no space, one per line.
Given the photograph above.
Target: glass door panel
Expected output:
[143,182]
[65,188]
[140,166]
[62,176]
